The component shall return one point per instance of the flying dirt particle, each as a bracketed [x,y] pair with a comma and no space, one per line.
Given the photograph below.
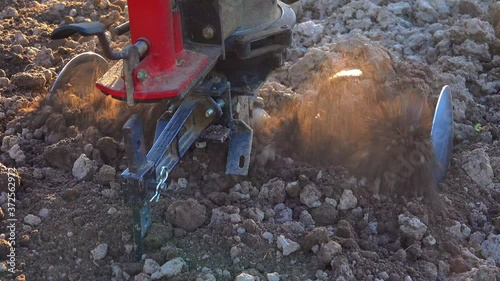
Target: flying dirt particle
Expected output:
[360,116]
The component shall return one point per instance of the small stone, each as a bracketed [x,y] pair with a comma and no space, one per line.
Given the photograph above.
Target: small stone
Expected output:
[401,255]
[317,236]
[84,168]
[245,277]
[32,220]
[411,227]
[348,200]
[170,269]
[105,175]
[443,268]
[268,236]
[478,167]
[4,82]
[150,266]
[310,196]
[112,211]
[293,189]
[228,213]
[21,39]
[109,148]
[310,32]
[274,191]
[70,194]
[273,276]
[344,229]
[142,277]
[491,247]
[109,193]
[9,12]
[187,214]
[306,218]
[72,13]
[16,153]
[282,213]
[470,7]
[99,252]
[460,231]
[29,81]
[44,213]
[458,265]
[59,7]
[328,250]
[157,236]
[38,174]
[325,214]
[183,183]
[429,241]
[287,246]
[414,251]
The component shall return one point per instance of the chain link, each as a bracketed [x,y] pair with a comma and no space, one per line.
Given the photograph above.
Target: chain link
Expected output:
[161,184]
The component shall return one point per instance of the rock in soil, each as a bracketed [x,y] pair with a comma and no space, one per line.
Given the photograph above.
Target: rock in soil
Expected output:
[186,214]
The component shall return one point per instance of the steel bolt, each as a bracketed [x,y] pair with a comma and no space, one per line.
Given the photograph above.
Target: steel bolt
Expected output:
[142,75]
[208,32]
[209,112]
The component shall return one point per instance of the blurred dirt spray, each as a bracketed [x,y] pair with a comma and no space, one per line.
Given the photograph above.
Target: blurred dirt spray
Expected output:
[82,105]
[362,115]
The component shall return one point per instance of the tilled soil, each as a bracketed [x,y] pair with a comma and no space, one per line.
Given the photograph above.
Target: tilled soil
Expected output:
[291,218]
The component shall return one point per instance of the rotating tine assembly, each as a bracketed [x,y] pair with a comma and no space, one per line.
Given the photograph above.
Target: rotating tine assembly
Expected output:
[205,57]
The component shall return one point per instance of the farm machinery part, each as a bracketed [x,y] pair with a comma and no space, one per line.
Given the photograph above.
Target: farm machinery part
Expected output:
[208,58]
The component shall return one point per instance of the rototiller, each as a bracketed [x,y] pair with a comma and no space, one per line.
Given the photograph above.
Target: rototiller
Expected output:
[207,57]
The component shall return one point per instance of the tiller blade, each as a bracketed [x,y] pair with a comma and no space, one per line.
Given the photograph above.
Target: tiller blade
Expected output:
[442,132]
[81,72]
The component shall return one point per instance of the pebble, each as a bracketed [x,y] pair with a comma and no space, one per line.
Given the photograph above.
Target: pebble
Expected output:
[411,227]
[183,183]
[44,213]
[186,214]
[32,220]
[491,247]
[478,167]
[268,236]
[273,276]
[429,241]
[274,191]
[38,174]
[84,168]
[328,251]
[310,196]
[245,277]
[228,213]
[16,153]
[112,211]
[347,200]
[21,39]
[293,189]
[170,269]
[99,252]
[460,231]
[287,246]
[150,266]
[105,175]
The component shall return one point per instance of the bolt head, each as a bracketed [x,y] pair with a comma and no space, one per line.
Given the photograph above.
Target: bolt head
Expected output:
[208,32]
[142,75]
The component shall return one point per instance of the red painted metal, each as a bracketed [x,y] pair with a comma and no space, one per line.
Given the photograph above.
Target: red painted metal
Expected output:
[178,41]
[170,68]
[153,21]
